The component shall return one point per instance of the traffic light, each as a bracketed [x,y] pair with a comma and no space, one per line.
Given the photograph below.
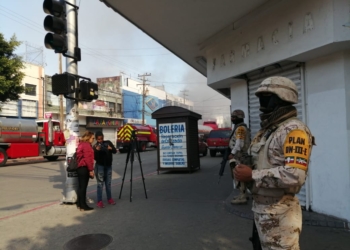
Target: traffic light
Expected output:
[63,84]
[88,91]
[57,24]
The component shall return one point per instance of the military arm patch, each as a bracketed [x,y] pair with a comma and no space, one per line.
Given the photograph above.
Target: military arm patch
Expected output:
[240,133]
[296,149]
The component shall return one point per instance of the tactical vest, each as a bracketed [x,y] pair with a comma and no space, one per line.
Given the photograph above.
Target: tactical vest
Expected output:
[232,142]
[259,153]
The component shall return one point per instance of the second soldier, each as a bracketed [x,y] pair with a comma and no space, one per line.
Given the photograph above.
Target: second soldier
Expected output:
[239,144]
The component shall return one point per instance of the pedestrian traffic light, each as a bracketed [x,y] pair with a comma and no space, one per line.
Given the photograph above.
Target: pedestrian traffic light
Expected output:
[63,84]
[88,91]
[57,24]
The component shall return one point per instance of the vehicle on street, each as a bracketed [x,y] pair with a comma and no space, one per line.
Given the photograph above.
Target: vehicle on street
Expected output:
[218,140]
[146,137]
[211,124]
[20,138]
[203,147]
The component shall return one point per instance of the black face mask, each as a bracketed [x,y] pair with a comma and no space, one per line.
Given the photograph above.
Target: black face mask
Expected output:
[270,102]
[235,120]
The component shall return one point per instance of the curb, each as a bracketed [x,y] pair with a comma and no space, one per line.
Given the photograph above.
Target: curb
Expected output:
[30,159]
[309,218]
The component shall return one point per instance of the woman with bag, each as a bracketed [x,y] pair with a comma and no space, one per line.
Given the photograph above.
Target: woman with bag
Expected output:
[85,158]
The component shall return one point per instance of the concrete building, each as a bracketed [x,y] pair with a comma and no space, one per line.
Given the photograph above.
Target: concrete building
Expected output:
[154,98]
[237,44]
[103,114]
[30,104]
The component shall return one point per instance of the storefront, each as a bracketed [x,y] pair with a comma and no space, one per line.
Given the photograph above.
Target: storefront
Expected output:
[108,126]
[306,41]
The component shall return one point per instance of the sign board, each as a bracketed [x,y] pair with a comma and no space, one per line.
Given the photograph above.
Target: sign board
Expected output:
[172,145]
[133,121]
[98,122]
[48,115]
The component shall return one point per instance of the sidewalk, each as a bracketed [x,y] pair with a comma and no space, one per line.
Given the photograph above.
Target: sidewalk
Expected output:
[309,218]
[30,159]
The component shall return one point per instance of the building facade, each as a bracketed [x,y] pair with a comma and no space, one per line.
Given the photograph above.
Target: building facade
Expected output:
[138,105]
[237,44]
[30,104]
[103,114]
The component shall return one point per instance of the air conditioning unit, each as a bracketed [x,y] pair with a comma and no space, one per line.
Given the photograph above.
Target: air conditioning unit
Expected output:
[49,102]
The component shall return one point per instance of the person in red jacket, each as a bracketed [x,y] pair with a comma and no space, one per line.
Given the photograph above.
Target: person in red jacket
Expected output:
[85,158]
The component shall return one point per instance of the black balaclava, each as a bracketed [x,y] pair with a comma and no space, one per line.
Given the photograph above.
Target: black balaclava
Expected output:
[271,102]
[235,120]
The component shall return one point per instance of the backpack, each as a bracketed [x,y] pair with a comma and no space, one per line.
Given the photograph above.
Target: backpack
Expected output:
[72,163]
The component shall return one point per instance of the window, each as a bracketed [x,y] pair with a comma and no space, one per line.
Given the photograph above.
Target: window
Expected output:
[30,89]
[219,134]
[40,126]
[56,126]
[119,107]
[111,106]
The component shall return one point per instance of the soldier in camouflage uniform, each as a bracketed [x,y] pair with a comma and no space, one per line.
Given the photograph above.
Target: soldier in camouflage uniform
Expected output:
[239,144]
[280,157]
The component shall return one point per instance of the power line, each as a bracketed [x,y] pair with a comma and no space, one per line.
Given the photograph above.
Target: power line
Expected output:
[134,55]
[128,49]
[95,51]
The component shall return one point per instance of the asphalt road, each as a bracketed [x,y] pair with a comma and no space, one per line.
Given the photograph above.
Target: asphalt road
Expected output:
[183,210]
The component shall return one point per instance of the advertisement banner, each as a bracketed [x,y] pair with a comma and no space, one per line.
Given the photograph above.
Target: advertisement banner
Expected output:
[172,145]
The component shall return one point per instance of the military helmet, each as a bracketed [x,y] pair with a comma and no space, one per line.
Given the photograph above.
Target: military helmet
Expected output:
[238,113]
[283,87]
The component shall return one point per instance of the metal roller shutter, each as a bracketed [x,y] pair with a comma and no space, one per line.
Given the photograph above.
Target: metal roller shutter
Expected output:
[291,70]
[109,134]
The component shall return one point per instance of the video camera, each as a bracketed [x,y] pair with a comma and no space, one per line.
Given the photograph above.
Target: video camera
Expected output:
[103,145]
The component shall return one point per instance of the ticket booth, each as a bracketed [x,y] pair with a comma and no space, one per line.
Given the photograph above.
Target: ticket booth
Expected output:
[177,130]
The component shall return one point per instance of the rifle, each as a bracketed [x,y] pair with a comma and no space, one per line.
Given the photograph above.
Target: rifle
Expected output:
[255,238]
[223,162]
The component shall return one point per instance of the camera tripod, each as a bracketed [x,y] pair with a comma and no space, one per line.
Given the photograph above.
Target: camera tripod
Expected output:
[131,156]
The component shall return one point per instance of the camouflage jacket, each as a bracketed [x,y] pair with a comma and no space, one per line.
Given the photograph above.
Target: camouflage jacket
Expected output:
[285,156]
[240,139]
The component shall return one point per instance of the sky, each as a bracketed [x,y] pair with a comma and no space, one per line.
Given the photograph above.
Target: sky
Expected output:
[110,45]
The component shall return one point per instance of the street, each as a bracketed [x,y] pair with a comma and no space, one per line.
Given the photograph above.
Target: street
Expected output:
[183,210]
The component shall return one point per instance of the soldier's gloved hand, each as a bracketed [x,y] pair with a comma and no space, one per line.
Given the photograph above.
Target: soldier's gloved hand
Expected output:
[243,173]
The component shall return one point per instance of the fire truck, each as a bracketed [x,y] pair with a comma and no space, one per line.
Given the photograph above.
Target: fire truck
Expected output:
[145,134]
[211,124]
[21,138]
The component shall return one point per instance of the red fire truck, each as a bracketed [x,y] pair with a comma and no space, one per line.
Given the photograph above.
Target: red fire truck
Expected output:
[146,136]
[21,138]
[211,124]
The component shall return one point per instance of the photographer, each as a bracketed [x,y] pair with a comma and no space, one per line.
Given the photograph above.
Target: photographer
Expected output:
[103,169]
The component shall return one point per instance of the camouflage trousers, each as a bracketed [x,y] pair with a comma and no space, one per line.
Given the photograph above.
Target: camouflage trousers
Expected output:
[279,224]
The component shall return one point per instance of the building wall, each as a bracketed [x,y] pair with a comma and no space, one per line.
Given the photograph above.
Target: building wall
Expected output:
[32,105]
[310,32]
[155,98]
[293,29]
[239,100]
[327,88]
[29,105]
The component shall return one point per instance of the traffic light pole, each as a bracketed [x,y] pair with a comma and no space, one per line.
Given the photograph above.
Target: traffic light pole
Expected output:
[72,117]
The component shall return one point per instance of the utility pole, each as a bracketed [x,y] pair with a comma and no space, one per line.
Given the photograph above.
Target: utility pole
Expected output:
[184,94]
[143,95]
[62,24]
[72,119]
[61,97]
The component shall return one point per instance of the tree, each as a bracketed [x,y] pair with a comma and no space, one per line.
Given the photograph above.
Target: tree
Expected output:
[10,70]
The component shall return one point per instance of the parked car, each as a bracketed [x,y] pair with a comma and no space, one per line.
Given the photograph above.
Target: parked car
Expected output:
[218,140]
[203,147]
